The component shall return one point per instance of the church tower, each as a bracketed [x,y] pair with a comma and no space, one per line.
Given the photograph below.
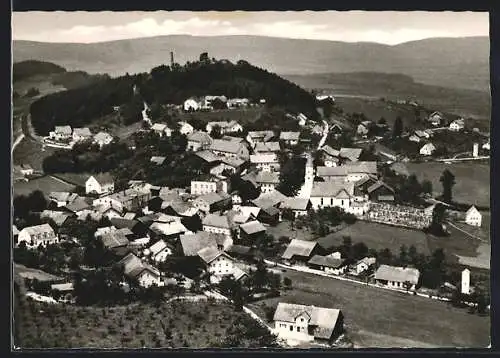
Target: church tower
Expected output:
[309,174]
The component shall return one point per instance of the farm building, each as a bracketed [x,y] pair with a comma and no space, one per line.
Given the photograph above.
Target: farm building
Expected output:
[473,217]
[300,251]
[397,277]
[331,265]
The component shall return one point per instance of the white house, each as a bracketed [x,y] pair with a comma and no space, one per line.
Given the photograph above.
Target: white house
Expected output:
[37,235]
[268,181]
[457,125]
[191,104]
[161,129]
[298,206]
[198,140]
[209,184]
[435,118]
[102,139]
[185,128]
[473,217]
[100,184]
[218,263]
[225,127]
[61,133]
[218,224]
[146,275]
[265,162]
[302,118]
[307,323]
[26,169]
[363,265]
[81,134]
[290,138]
[427,149]
[159,251]
[395,277]
[229,149]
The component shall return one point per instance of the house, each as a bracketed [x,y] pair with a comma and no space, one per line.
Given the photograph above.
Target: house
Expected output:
[208,101]
[134,268]
[62,291]
[185,128]
[260,136]
[435,118]
[209,184]
[266,147]
[268,181]
[414,138]
[37,235]
[251,230]
[396,277]
[298,206]
[61,133]
[457,125]
[58,217]
[157,160]
[159,251]
[227,165]
[473,217]
[218,264]
[242,252]
[300,251]
[302,118]
[331,265]
[330,156]
[102,139]
[238,102]
[350,154]
[26,170]
[380,191]
[290,138]
[364,128]
[350,172]
[332,193]
[225,127]
[307,323]
[130,199]
[486,146]
[336,130]
[191,244]
[191,105]
[229,149]
[265,162]
[218,224]
[167,226]
[270,199]
[109,210]
[81,134]
[161,129]
[208,203]
[363,265]
[198,140]
[62,198]
[103,230]
[114,239]
[427,149]
[77,206]
[100,184]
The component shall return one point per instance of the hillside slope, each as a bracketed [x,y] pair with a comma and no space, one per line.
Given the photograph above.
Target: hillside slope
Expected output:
[458,63]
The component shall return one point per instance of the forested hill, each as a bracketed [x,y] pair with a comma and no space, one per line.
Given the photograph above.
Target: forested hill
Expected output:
[30,68]
[165,84]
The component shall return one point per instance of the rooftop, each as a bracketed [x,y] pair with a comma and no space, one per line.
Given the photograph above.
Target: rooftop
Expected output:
[326,261]
[398,274]
[298,247]
[252,227]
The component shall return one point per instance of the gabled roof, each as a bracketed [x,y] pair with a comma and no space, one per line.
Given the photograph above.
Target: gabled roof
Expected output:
[240,250]
[62,196]
[261,134]
[330,151]
[171,228]
[39,229]
[207,156]
[58,217]
[326,261]
[103,136]
[377,185]
[157,247]
[218,220]
[157,160]
[398,274]
[208,254]
[225,146]
[266,200]
[63,129]
[264,177]
[192,243]
[322,320]
[350,153]
[289,135]
[332,188]
[264,158]
[295,204]
[77,205]
[159,127]
[332,171]
[103,178]
[121,223]
[83,132]
[367,260]
[298,247]
[267,147]
[114,239]
[212,198]
[473,211]
[129,216]
[200,137]
[252,227]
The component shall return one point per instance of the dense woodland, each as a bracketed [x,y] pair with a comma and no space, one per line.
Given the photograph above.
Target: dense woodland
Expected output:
[166,85]
[26,69]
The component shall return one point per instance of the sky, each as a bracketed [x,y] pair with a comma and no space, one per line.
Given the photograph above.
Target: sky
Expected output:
[386,27]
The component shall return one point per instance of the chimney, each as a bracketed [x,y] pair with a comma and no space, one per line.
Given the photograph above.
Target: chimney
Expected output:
[465,289]
[475,150]
[171,58]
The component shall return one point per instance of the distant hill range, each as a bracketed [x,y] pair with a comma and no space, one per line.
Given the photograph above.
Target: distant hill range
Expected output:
[445,62]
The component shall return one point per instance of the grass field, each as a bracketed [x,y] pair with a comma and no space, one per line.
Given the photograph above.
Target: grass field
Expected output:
[190,324]
[378,237]
[30,152]
[381,318]
[472,180]
[45,184]
[77,179]
[30,273]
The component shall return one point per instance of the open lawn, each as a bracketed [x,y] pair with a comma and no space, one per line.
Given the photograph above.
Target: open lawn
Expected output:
[30,273]
[378,237]
[30,152]
[77,179]
[45,184]
[242,115]
[472,180]
[284,229]
[199,324]
[382,318]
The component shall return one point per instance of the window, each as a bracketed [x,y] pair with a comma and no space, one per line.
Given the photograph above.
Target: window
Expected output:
[301,320]
[291,328]
[298,329]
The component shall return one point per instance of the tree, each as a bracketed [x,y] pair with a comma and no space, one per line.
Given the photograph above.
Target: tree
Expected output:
[448,181]
[398,128]
[204,57]
[292,176]
[403,255]
[427,187]
[382,120]
[287,282]
[216,132]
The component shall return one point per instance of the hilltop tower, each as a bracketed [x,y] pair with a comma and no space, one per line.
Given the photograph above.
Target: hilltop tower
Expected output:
[171,58]
[465,281]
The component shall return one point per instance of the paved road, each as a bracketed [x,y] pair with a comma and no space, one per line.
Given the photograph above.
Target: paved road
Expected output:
[17,141]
